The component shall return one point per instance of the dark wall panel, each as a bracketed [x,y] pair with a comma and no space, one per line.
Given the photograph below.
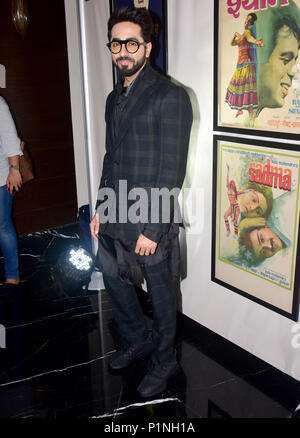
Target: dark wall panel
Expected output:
[37,91]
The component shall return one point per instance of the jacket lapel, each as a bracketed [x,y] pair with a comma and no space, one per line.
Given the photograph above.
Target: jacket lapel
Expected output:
[136,101]
[110,118]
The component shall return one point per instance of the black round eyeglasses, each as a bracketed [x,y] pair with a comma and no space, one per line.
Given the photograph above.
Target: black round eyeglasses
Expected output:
[131,46]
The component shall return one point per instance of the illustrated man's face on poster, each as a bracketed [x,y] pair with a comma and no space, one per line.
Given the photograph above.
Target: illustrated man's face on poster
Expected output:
[276,75]
[265,243]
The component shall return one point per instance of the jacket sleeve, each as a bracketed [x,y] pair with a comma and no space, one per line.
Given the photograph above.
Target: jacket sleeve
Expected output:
[106,172]
[176,118]
[107,162]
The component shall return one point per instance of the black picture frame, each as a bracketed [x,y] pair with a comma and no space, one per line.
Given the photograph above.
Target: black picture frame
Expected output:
[159,53]
[229,265]
[283,126]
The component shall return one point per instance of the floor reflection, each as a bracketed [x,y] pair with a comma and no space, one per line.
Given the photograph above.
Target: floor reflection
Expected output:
[59,341]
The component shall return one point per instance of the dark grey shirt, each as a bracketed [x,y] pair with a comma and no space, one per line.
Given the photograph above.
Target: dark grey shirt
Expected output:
[122,99]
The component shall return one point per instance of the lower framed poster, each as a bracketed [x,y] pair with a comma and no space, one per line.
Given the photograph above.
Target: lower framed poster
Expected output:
[255,244]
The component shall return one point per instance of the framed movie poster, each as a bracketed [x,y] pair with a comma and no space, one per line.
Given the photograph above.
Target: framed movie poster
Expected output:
[158,10]
[257,87]
[256,221]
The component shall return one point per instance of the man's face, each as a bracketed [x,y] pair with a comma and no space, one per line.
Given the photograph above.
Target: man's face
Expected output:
[276,75]
[265,242]
[129,64]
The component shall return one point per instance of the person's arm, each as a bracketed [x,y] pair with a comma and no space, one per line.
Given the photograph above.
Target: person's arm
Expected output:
[250,38]
[14,179]
[176,118]
[145,246]
[95,226]
[235,39]
[107,170]
[95,222]
[227,177]
[10,144]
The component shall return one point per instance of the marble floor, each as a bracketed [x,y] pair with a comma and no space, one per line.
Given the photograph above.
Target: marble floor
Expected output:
[56,343]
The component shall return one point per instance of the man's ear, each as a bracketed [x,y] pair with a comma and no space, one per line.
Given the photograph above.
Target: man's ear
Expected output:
[148,49]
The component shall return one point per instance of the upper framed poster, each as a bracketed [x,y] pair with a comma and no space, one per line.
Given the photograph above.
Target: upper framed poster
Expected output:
[158,10]
[257,87]
[255,245]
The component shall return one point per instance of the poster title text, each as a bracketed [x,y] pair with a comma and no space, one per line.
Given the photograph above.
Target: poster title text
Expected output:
[234,6]
[271,176]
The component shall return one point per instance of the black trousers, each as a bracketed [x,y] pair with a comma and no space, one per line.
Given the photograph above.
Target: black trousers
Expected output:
[129,315]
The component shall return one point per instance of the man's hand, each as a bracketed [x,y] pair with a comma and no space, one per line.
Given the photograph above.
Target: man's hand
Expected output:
[145,246]
[95,226]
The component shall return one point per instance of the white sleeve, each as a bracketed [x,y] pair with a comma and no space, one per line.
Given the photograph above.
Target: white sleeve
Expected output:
[9,139]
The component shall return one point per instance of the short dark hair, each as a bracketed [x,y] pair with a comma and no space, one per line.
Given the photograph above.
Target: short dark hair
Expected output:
[290,22]
[140,16]
[269,23]
[253,16]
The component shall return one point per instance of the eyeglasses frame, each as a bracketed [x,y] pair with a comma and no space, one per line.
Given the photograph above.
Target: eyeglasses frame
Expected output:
[121,42]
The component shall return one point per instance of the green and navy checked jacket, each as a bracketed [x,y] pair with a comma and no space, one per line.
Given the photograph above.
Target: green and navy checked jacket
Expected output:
[151,148]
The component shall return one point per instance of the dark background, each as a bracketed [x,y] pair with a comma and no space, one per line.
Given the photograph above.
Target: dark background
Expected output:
[37,91]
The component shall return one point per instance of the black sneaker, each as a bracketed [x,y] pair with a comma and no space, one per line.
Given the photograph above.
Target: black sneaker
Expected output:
[127,356]
[156,380]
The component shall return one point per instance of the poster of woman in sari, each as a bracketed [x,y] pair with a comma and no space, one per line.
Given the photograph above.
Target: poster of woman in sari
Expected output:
[256,221]
[257,66]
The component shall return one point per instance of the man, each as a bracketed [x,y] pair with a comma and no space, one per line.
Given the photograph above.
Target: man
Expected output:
[148,128]
[279,28]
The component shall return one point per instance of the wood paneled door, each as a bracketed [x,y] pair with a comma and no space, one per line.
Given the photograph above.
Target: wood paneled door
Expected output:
[37,91]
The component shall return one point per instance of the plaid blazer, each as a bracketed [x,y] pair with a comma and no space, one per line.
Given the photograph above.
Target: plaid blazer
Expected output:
[150,150]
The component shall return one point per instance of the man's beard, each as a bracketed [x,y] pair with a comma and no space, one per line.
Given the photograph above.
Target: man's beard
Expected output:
[124,70]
